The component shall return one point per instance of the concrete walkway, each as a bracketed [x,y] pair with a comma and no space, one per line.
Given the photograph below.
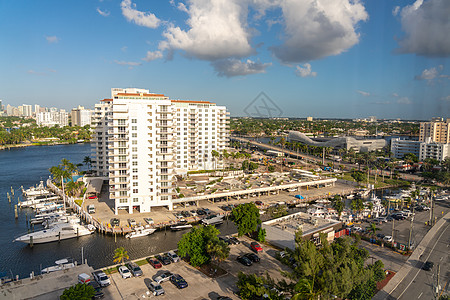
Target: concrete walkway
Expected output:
[413,261]
[47,286]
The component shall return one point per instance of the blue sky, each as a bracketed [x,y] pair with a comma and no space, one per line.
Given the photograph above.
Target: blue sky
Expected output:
[320,58]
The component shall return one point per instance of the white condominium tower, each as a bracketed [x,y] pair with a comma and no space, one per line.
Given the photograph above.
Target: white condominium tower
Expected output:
[142,140]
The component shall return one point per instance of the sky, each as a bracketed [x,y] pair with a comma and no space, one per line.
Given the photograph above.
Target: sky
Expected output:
[276,58]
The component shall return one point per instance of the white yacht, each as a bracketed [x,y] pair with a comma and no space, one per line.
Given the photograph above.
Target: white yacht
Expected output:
[140,231]
[35,191]
[61,264]
[57,232]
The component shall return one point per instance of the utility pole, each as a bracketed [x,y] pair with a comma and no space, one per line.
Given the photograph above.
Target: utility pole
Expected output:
[393,221]
[323,156]
[432,211]
[410,230]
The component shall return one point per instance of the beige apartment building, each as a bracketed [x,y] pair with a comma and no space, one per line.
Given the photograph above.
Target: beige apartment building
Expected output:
[437,130]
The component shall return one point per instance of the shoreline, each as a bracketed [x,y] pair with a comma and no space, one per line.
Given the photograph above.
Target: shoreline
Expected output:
[38,144]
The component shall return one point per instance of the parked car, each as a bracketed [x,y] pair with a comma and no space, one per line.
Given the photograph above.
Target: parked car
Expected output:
[259,203]
[156,288]
[256,247]
[98,290]
[380,235]
[225,239]
[244,260]
[193,212]
[201,212]
[253,257]
[234,240]
[115,222]
[173,256]
[178,281]
[134,269]
[101,278]
[132,222]
[387,238]
[163,259]
[124,272]
[428,266]
[154,262]
[164,276]
[92,197]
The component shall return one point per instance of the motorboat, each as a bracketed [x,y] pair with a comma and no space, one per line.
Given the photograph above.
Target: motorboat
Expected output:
[61,231]
[35,191]
[61,264]
[212,220]
[55,220]
[40,218]
[38,200]
[180,226]
[140,231]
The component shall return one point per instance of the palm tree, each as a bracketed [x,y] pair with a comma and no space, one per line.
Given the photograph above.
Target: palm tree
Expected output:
[215,155]
[373,229]
[87,161]
[120,254]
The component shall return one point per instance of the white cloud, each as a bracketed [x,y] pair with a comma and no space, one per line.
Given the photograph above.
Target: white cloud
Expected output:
[428,74]
[426,26]
[446,98]
[395,11]
[181,6]
[153,55]
[52,39]
[365,94]
[217,30]
[235,67]
[404,100]
[395,94]
[305,71]
[103,13]
[33,72]
[318,28]
[124,49]
[138,17]
[130,64]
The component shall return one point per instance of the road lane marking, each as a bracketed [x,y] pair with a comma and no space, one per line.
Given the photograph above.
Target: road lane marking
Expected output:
[419,269]
[420,295]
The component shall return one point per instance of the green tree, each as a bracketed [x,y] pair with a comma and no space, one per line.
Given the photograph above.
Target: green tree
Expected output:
[364,291]
[80,291]
[218,250]
[194,244]
[261,235]
[338,205]
[87,161]
[246,218]
[251,286]
[373,229]
[120,254]
[359,176]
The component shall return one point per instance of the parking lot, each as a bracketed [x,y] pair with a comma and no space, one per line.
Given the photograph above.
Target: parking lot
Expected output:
[200,285]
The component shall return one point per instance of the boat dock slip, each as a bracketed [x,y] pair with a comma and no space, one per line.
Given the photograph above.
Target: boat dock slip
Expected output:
[47,286]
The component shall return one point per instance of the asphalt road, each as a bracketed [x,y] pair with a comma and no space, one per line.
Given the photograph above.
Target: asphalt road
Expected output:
[421,284]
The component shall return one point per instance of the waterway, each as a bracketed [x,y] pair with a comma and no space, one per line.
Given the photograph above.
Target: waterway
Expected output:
[26,167]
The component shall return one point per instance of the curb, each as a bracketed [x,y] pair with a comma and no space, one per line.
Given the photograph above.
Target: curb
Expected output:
[408,265]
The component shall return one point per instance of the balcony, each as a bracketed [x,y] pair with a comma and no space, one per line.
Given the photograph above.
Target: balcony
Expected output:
[113,189]
[165,125]
[119,175]
[117,139]
[117,168]
[113,196]
[166,158]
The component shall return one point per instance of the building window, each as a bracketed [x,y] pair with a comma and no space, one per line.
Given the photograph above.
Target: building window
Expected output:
[123,201]
[134,142]
[135,184]
[135,163]
[134,156]
[135,177]
[134,128]
[135,170]
[134,149]
[134,134]
[133,120]
[135,191]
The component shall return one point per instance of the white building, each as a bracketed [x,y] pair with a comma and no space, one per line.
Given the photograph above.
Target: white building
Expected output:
[52,118]
[400,147]
[436,151]
[144,139]
[81,116]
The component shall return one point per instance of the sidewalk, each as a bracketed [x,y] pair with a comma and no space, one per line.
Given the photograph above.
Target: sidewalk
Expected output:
[412,261]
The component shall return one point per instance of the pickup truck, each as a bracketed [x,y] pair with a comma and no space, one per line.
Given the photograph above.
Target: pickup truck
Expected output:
[101,278]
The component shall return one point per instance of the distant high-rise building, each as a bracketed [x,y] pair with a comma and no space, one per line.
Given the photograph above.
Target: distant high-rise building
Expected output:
[309,119]
[52,118]
[437,131]
[27,110]
[37,109]
[81,116]
[142,140]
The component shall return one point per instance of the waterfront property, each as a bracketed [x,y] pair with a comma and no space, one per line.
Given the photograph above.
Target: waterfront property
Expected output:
[142,140]
[281,231]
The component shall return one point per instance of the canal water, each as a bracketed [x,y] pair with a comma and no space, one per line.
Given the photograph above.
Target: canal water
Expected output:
[26,167]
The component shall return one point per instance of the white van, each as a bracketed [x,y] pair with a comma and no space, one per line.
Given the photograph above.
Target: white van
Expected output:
[84,278]
[91,209]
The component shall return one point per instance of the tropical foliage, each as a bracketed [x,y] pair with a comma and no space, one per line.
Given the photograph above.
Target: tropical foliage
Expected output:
[120,254]
[80,291]
[201,244]
[246,218]
[16,130]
